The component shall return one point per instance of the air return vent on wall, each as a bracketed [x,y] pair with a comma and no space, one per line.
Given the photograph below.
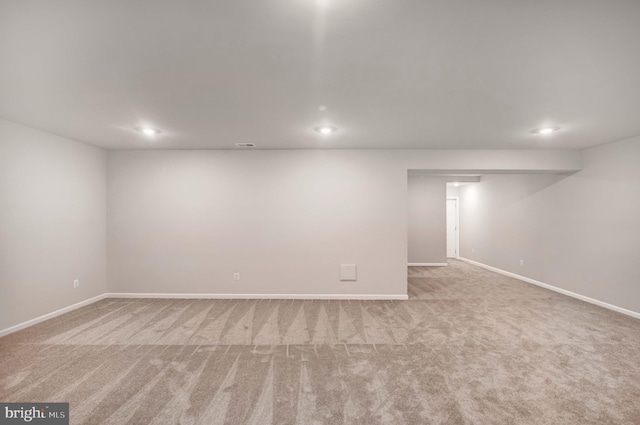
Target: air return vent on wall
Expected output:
[245,145]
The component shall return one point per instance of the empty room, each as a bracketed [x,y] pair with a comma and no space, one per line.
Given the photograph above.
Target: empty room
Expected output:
[314,212]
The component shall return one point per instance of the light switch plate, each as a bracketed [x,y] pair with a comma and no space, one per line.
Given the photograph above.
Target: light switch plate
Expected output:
[348,272]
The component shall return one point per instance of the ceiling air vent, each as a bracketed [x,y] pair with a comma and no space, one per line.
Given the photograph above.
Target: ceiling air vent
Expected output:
[245,145]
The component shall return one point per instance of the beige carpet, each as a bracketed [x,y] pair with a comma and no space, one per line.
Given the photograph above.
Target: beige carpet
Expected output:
[470,347]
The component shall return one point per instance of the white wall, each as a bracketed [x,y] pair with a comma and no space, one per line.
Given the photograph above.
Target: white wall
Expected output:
[52,223]
[452,191]
[185,221]
[577,232]
[427,219]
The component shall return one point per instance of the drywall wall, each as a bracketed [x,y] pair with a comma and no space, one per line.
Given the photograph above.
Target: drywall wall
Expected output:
[186,221]
[427,220]
[52,223]
[577,232]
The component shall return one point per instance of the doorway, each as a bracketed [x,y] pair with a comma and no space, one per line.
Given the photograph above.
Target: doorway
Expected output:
[452,228]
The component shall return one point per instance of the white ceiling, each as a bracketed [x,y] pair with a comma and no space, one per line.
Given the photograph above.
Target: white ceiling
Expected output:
[446,74]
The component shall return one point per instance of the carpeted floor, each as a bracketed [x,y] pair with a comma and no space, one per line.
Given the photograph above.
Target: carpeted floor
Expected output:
[469,347]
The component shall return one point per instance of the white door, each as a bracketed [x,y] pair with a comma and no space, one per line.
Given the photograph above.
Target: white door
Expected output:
[452,228]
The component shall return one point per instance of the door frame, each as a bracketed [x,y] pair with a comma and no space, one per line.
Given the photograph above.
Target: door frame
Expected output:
[457,199]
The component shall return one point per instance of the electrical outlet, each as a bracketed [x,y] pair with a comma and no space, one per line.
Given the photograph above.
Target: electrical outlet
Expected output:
[236,276]
[522,262]
[76,283]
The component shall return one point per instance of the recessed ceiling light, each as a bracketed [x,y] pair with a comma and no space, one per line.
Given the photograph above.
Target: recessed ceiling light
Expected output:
[546,130]
[148,131]
[456,184]
[326,129]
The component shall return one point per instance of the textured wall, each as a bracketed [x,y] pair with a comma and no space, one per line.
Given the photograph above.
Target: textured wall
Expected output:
[52,223]
[578,232]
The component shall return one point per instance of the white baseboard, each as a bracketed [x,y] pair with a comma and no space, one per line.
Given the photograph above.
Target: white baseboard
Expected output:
[51,315]
[555,289]
[427,264]
[262,296]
